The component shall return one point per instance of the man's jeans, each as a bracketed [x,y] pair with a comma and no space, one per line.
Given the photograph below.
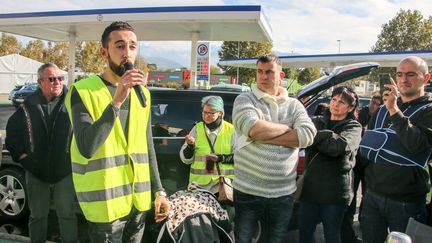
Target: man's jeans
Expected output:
[129,229]
[274,214]
[39,199]
[380,213]
[331,215]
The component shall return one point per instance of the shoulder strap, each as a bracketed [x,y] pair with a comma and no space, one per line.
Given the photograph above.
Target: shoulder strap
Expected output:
[381,115]
[29,126]
[416,108]
[212,148]
[409,112]
[412,110]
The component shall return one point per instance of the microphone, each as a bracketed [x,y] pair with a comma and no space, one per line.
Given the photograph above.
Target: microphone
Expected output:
[138,89]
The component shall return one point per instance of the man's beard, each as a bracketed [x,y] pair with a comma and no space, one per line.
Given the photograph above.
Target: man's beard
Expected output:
[119,70]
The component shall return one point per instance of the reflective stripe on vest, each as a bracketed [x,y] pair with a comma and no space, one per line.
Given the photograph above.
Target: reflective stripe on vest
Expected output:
[105,163]
[117,176]
[223,145]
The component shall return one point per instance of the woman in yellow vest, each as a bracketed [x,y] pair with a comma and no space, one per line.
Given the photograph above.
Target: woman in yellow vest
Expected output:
[212,136]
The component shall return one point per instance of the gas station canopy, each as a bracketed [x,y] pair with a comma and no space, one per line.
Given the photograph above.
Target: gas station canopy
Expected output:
[187,23]
[385,59]
[212,23]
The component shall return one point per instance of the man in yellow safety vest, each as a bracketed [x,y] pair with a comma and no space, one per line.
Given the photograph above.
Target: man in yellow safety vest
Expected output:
[112,148]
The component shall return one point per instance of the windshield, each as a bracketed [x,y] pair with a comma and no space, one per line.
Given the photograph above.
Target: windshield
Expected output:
[31,87]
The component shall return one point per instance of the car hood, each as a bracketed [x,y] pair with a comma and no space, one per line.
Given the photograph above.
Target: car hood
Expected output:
[337,76]
[24,92]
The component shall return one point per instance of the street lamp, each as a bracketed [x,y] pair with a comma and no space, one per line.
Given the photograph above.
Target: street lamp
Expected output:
[339,41]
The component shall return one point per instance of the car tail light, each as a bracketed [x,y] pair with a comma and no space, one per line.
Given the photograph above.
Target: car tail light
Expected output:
[300,164]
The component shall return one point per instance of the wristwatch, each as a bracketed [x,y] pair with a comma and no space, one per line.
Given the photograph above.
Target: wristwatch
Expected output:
[160,193]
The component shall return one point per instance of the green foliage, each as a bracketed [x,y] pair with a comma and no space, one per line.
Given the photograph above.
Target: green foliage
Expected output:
[215,70]
[88,58]
[58,53]
[9,45]
[35,50]
[308,75]
[291,73]
[407,31]
[152,67]
[292,86]
[243,49]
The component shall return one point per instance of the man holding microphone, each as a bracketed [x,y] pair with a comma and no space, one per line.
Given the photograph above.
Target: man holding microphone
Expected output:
[112,148]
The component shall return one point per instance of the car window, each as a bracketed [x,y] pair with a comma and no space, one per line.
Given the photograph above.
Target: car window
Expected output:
[31,87]
[181,111]
[178,116]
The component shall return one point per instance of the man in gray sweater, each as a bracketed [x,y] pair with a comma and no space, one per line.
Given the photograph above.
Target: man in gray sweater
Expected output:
[273,127]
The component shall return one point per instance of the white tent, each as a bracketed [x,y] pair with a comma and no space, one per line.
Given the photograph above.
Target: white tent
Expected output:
[17,70]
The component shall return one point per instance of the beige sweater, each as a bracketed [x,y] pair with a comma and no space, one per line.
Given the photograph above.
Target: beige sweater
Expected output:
[267,170]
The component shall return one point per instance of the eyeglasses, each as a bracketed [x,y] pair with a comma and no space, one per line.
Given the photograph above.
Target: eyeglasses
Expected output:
[208,113]
[53,79]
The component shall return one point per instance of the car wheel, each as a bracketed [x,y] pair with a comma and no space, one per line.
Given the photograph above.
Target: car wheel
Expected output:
[13,196]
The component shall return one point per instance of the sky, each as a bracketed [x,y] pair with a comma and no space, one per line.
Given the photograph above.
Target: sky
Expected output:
[299,27]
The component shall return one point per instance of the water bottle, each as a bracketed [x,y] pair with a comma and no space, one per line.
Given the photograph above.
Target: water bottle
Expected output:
[397,237]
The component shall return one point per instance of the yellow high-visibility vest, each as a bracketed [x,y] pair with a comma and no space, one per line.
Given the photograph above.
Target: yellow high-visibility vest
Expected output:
[198,172]
[117,176]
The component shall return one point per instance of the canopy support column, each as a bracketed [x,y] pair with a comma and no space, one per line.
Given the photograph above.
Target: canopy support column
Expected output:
[71,65]
[193,80]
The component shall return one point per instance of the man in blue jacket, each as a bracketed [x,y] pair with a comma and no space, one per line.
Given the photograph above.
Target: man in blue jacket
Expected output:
[397,185]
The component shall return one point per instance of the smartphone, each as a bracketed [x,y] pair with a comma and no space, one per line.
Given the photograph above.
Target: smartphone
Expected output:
[384,79]
[210,164]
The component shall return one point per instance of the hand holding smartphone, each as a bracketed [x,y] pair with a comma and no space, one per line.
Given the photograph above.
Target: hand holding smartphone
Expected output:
[384,79]
[210,162]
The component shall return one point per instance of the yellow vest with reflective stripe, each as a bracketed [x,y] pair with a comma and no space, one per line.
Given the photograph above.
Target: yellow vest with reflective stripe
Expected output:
[429,194]
[117,176]
[222,145]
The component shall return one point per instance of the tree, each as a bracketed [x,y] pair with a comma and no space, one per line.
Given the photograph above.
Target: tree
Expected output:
[215,70]
[58,53]
[142,64]
[407,31]
[88,57]
[291,73]
[243,49]
[307,75]
[35,50]
[9,45]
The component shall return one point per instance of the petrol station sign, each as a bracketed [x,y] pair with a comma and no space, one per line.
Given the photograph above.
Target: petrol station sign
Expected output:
[203,64]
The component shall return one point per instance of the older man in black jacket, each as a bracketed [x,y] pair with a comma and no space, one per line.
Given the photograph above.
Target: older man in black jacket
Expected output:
[38,136]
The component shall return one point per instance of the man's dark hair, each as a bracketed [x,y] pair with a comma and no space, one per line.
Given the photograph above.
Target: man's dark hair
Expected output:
[269,58]
[118,25]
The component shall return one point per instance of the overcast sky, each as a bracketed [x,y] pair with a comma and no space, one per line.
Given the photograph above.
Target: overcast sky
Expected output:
[302,27]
